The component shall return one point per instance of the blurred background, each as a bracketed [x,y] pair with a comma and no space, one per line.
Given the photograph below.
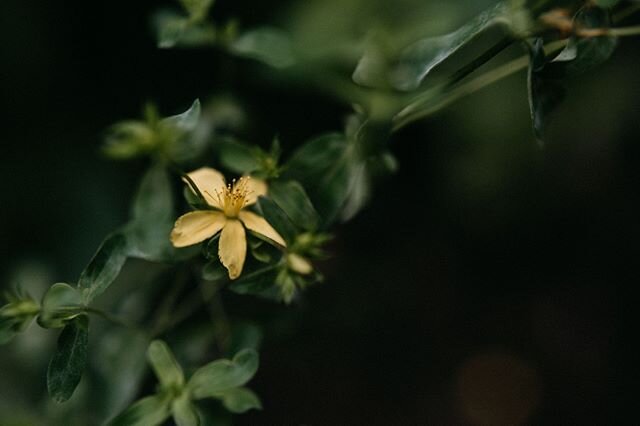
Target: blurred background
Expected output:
[481,286]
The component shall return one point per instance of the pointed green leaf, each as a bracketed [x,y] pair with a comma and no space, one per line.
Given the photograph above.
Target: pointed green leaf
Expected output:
[68,362]
[104,267]
[16,316]
[186,121]
[240,400]
[545,93]
[277,218]
[149,411]
[237,157]
[197,9]
[224,374]
[269,45]
[167,369]
[323,165]
[184,412]
[60,304]
[291,197]
[417,60]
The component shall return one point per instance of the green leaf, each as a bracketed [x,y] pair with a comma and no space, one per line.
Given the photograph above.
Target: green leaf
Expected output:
[584,53]
[186,121]
[277,218]
[257,283]
[245,335]
[214,271]
[197,9]
[240,400]
[224,374]
[184,412]
[606,3]
[60,304]
[291,197]
[68,362]
[153,201]
[16,316]
[417,60]
[545,93]
[237,157]
[167,369]
[149,411]
[104,267]
[129,139]
[152,219]
[119,364]
[323,165]
[177,132]
[269,45]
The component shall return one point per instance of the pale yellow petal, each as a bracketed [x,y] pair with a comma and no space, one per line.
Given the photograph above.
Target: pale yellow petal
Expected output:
[208,181]
[196,227]
[232,248]
[258,224]
[255,188]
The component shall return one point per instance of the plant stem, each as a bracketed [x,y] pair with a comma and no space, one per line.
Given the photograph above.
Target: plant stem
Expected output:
[420,108]
[111,318]
[479,61]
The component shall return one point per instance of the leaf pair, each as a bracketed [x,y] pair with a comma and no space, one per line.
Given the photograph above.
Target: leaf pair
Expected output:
[170,137]
[222,379]
[548,76]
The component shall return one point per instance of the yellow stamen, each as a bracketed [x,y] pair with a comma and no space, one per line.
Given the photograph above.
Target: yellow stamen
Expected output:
[233,197]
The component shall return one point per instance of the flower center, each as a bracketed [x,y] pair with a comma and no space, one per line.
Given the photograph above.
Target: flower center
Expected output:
[233,197]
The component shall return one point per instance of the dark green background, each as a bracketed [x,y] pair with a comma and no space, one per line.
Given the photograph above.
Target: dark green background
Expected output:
[482,243]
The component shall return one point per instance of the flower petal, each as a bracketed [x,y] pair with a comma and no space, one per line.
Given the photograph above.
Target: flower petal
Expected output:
[258,224]
[195,227]
[208,181]
[256,188]
[232,248]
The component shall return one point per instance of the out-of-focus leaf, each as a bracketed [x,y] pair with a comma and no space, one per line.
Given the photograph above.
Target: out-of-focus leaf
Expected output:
[152,219]
[16,316]
[545,93]
[149,411]
[323,165]
[244,335]
[547,78]
[177,134]
[269,45]
[104,267]
[167,369]
[120,365]
[184,412]
[224,374]
[417,60]
[240,400]
[129,139]
[68,362]
[584,53]
[237,157]
[197,9]
[256,283]
[60,304]
[214,271]
[186,121]
[291,197]
[606,3]
[277,218]
[174,30]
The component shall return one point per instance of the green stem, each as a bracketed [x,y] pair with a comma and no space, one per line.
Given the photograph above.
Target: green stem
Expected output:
[623,32]
[109,317]
[421,107]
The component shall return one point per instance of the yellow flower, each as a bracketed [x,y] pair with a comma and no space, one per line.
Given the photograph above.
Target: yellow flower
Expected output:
[229,217]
